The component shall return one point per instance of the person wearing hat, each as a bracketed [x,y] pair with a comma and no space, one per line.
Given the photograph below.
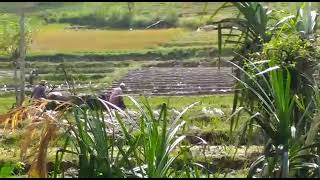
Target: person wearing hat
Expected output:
[39,91]
[116,97]
[33,74]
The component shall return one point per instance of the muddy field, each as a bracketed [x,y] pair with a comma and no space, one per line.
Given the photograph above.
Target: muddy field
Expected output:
[178,81]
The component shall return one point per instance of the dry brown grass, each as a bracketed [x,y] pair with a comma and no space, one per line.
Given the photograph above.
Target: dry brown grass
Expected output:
[63,40]
[41,128]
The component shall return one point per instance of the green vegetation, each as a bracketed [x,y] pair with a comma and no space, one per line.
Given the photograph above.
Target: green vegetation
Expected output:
[199,114]
[6,103]
[268,128]
[215,101]
[116,15]
[279,95]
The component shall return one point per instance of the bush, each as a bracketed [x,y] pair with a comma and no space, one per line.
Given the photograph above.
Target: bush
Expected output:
[119,18]
[141,21]
[102,12]
[87,20]
[171,18]
[190,23]
[113,17]
[49,17]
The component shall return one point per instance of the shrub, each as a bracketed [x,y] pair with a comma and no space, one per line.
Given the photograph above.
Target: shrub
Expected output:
[141,21]
[190,23]
[102,12]
[87,20]
[171,18]
[113,17]
[119,18]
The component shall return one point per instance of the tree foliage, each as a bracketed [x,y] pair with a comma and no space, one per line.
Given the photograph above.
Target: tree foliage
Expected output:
[9,34]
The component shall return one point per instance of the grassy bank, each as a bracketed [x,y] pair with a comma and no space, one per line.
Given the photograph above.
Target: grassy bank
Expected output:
[171,53]
[100,73]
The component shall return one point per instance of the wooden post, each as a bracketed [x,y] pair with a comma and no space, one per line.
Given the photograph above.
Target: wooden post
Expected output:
[219,46]
[21,60]
[15,57]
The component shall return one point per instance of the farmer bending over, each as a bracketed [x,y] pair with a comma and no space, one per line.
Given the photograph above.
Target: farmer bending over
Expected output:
[116,97]
[39,91]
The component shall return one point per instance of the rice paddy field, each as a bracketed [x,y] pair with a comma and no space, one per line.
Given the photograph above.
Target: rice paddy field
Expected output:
[49,40]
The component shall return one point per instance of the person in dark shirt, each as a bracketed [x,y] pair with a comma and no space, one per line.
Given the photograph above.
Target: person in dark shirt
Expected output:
[39,91]
[116,97]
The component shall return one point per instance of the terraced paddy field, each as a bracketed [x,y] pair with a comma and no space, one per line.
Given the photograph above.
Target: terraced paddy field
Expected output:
[89,48]
[184,78]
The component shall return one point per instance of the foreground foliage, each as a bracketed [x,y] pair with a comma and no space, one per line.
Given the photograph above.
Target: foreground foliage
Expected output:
[275,67]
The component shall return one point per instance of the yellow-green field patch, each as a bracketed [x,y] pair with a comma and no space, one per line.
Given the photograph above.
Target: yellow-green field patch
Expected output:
[60,40]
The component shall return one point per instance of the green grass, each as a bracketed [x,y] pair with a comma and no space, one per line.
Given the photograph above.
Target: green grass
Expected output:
[141,8]
[196,115]
[11,142]
[222,102]
[180,102]
[213,127]
[6,103]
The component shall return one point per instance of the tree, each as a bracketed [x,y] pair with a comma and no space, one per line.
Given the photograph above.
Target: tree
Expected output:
[22,55]
[9,41]
[15,45]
